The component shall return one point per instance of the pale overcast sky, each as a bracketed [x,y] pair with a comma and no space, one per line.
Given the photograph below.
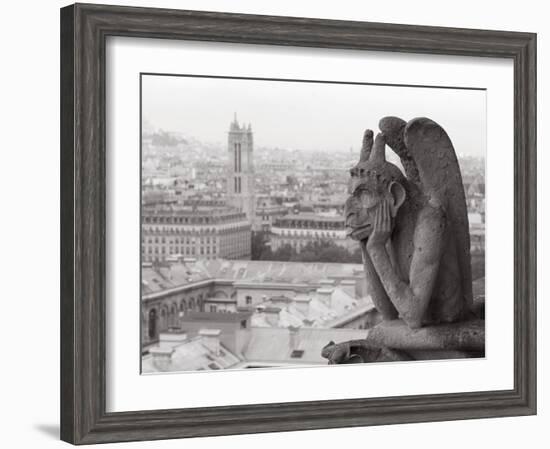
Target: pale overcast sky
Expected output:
[308,116]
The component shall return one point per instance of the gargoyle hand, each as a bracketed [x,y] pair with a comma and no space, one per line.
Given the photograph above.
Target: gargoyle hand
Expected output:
[382,227]
[336,353]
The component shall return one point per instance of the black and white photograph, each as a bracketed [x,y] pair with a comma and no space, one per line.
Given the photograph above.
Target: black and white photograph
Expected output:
[292,223]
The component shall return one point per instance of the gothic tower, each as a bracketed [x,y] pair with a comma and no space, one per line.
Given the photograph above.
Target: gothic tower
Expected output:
[240,183]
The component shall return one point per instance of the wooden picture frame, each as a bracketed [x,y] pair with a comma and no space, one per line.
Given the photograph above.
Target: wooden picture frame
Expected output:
[84,29]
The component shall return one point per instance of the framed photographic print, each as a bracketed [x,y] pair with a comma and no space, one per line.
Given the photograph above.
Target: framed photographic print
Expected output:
[275,223]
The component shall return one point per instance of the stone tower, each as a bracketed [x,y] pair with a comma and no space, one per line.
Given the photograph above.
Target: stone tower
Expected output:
[240,182]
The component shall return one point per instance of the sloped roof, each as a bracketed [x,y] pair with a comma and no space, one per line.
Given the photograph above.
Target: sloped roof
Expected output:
[279,272]
[318,312]
[193,355]
[277,344]
[216,317]
[156,279]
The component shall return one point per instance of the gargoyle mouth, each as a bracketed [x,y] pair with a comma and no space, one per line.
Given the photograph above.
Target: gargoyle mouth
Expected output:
[359,232]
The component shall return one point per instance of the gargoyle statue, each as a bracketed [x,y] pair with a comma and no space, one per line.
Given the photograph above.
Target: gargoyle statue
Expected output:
[412,227]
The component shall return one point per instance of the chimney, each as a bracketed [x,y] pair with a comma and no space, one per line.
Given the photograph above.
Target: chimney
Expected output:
[162,358]
[189,261]
[172,338]
[211,339]
[302,304]
[293,340]
[325,295]
[280,300]
[326,283]
[349,286]
[272,315]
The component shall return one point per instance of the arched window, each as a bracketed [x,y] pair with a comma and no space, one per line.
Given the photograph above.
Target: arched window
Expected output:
[174,315]
[152,331]
[163,317]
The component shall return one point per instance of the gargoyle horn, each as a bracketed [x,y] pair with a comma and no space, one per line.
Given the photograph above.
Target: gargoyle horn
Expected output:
[378,153]
[366,146]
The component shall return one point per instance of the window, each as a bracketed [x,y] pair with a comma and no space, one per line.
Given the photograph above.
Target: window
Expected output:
[152,331]
[297,354]
[249,300]
[239,153]
[243,324]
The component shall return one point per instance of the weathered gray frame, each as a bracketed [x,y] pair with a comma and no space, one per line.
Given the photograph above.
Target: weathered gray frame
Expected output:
[84,29]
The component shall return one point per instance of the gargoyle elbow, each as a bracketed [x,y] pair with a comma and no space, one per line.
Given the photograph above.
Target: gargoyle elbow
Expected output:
[413,323]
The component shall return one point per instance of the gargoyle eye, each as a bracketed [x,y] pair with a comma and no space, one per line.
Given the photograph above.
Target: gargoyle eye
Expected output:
[368,200]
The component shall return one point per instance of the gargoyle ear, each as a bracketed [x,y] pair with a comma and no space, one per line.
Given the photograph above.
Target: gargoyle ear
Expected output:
[398,195]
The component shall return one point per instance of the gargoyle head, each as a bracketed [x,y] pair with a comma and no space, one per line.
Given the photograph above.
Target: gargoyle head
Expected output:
[373,180]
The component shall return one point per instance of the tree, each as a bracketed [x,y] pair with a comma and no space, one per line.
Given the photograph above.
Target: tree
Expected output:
[258,246]
[283,254]
[315,251]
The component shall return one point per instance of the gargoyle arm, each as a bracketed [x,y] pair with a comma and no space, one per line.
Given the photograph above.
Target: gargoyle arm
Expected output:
[412,299]
[375,288]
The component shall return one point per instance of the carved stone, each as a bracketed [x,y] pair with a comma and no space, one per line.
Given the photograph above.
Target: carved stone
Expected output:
[413,231]
[467,337]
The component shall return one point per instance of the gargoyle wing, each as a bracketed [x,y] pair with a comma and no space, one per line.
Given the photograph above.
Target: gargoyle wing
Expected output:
[393,129]
[430,162]
[435,159]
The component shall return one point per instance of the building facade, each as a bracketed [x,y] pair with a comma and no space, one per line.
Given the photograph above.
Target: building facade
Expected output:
[164,310]
[267,212]
[207,232]
[298,230]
